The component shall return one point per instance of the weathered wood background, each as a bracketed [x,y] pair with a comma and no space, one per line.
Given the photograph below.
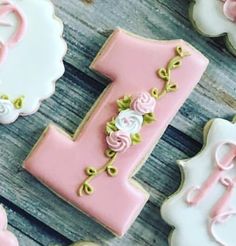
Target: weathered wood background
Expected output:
[39,217]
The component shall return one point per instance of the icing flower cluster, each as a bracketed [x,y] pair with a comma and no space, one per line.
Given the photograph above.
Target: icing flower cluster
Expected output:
[6,237]
[230,9]
[123,130]
[9,110]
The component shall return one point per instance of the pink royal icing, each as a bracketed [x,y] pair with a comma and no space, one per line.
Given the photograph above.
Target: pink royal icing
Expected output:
[59,162]
[144,103]
[6,237]
[119,141]
[230,9]
[222,211]
[6,7]
[214,178]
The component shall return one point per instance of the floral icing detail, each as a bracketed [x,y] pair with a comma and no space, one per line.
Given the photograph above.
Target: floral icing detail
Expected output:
[9,110]
[230,9]
[119,141]
[129,121]
[123,131]
[144,103]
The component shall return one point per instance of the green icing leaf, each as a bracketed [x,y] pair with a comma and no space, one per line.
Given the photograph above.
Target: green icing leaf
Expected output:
[175,63]
[136,138]
[171,87]
[149,118]
[91,171]
[88,189]
[110,153]
[4,97]
[124,103]
[163,74]
[111,127]
[18,103]
[112,171]
[155,93]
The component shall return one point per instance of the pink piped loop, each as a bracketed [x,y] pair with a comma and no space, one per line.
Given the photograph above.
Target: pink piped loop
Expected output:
[225,164]
[216,220]
[227,182]
[6,7]
[191,195]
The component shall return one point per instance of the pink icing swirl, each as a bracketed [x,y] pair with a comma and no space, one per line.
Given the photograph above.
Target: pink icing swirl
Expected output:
[144,103]
[230,9]
[119,141]
[6,7]
[6,237]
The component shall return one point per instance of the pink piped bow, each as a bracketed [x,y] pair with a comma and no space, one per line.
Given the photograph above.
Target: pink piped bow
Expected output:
[230,9]
[7,238]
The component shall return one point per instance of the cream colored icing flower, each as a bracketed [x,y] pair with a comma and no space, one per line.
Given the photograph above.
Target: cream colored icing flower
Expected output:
[7,111]
[129,121]
[215,18]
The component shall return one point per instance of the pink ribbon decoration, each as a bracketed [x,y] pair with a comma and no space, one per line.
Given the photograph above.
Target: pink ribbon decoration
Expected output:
[6,7]
[230,9]
[221,212]
[196,194]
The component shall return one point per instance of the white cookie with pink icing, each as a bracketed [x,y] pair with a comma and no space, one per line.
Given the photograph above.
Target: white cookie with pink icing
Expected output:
[203,211]
[31,54]
[215,18]
[6,237]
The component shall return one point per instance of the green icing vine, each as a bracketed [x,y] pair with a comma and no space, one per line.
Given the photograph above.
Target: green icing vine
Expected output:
[139,112]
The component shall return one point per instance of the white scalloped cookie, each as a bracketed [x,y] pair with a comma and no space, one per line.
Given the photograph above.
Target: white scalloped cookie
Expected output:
[203,211]
[215,18]
[31,54]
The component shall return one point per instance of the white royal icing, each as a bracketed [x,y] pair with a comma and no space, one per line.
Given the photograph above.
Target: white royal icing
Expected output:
[129,121]
[33,64]
[8,113]
[211,220]
[209,18]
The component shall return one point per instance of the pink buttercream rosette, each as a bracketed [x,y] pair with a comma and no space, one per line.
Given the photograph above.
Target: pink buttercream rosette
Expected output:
[6,237]
[230,9]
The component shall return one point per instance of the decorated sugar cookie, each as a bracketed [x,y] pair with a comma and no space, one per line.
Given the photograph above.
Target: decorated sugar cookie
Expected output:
[215,18]
[93,169]
[31,53]
[6,237]
[203,211]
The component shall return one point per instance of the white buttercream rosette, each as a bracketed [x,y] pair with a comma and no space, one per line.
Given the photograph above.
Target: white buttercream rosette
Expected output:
[220,21]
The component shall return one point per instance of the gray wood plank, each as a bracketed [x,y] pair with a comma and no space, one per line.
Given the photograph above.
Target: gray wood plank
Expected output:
[86,28]
[28,227]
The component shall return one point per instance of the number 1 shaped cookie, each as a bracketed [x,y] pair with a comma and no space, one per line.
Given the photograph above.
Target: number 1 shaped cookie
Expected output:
[94,169]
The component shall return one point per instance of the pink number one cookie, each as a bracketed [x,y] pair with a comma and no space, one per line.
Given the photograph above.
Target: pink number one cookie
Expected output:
[93,170]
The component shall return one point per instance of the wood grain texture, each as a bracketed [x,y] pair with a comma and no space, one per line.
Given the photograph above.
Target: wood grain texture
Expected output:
[39,216]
